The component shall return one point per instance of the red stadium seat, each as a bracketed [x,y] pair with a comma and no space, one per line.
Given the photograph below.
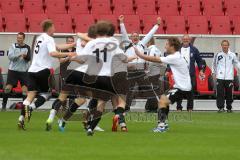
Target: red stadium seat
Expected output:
[82,22]
[63,22]
[55,6]
[34,22]
[33,6]
[148,21]
[198,25]
[190,7]
[17,89]
[168,7]
[203,82]
[132,23]
[233,7]
[15,22]
[221,25]
[123,7]
[11,6]
[101,7]
[236,24]
[144,7]
[1,24]
[78,7]
[175,24]
[111,18]
[213,7]
[170,80]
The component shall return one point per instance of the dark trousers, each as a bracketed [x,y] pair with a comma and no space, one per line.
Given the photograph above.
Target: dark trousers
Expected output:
[137,82]
[152,102]
[224,91]
[190,97]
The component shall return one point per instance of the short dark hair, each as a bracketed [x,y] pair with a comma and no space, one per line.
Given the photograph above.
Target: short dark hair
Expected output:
[46,24]
[174,42]
[105,28]
[223,41]
[22,34]
[69,37]
[92,31]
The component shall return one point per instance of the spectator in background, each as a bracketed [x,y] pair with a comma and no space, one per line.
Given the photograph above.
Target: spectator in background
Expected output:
[223,71]
[19,55]
[191,56]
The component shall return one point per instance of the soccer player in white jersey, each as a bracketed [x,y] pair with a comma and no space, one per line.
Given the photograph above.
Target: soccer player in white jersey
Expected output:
[44,56]
[102,55]
[61,100]
[181,76]
[136,68]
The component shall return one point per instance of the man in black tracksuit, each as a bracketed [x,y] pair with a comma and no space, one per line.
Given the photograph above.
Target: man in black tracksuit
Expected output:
[223,71]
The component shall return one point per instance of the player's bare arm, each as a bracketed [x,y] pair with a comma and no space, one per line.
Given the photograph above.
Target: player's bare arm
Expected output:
[147,58]
[62,54]
[84,36]
[65,46]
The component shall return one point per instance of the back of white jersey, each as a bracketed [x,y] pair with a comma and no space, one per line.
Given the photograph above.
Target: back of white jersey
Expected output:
[44,45]
[102,54]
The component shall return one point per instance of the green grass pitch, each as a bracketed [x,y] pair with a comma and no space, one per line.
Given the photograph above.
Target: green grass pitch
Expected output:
[206,136]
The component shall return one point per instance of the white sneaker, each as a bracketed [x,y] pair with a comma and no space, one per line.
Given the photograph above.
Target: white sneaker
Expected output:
[97,128]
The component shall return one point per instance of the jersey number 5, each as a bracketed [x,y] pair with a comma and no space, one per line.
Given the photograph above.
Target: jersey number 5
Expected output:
[37,47]
[97,52]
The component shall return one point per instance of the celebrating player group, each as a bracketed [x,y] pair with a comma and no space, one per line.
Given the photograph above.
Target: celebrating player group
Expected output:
[103,69]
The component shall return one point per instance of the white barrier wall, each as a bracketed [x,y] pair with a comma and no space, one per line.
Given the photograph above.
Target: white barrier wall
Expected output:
[205,43]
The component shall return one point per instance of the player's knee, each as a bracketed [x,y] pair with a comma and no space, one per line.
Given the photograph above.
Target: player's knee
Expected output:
[57,104]
[163,102]
[80,101]
[40,101]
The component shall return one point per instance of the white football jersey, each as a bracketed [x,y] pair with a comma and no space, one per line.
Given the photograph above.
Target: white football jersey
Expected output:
[101,55]
[44,45]
[179,67]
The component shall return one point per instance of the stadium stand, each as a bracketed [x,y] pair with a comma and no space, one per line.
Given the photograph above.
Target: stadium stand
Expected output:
[221,25]
[55,6]
[33,7]
[175,24]
[202,16]
[198,25]
[107,17]
[76,7]
[1,24]
[144,7]
[34,22]
[168,7]
[232,7]
[213,7]
[14,22]
[132,23]
[148,21]
[82,22]
[18,89]
[101,7]
[123,7]
[62,22]
[11,6]
[191,7]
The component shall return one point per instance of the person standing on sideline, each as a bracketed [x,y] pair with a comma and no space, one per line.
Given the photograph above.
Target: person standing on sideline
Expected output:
[19,55]
[223,72]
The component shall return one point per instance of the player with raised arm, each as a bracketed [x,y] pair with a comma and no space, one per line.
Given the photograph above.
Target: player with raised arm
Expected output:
[44,56]
[182,86]
[102,55]
[136,68]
